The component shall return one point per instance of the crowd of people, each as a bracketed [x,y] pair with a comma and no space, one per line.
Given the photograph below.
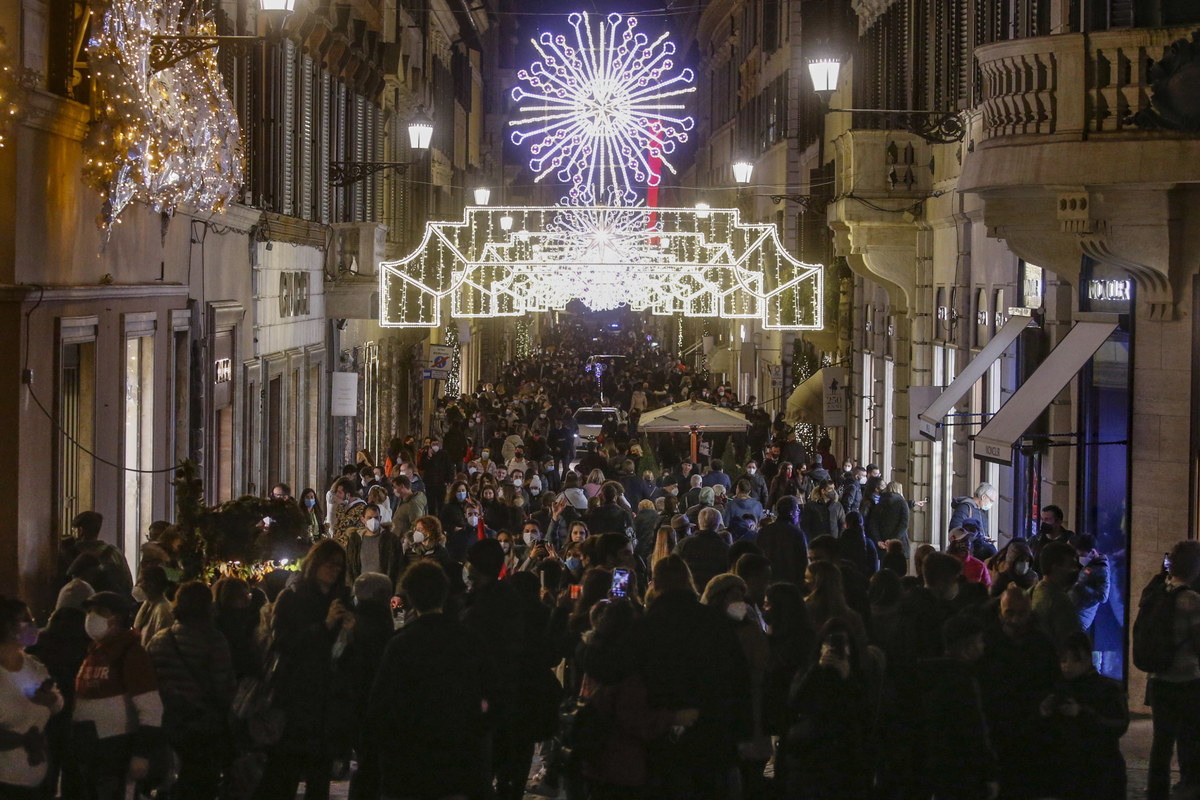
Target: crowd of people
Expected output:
[752,622]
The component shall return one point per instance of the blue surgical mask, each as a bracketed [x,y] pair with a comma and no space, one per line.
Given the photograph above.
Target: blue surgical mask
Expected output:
[574,564]
[461,496]
[309,502]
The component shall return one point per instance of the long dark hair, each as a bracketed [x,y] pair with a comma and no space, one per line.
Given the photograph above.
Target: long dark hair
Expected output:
[316,505]
[319,554]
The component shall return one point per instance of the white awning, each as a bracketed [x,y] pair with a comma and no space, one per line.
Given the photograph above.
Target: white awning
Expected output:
[995,442]
[932,417]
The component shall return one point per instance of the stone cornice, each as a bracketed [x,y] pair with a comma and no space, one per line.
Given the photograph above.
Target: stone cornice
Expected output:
[57,115]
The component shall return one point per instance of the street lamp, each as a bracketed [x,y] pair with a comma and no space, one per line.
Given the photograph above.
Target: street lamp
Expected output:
[742,170]
[506,222]
[167,50]
[938,127]
[420,132]
[702,210]
[824,74]
[482,195]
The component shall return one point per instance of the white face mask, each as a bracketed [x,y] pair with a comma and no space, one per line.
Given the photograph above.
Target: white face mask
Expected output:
[862,481]
[472,520]
[372,525]
[751,471]
[535,492]
[737,611]
[506,547]
[418,537]
[530,538]
[1084,560]
[139,595]
[96,626]
[1021,567]
[986,505]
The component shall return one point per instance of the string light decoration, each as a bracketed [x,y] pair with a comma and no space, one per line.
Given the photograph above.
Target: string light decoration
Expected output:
[602,112]
[10,90]
[600,109]
[166,138]
[717,266]
[451,340]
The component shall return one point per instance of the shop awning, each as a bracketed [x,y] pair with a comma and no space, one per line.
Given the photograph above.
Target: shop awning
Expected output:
[932,417]
[806,403]
[995,442]
[692,414]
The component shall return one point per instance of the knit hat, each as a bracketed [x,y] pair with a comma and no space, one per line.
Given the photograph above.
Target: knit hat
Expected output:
[719,585]
[74,594]
[576,498]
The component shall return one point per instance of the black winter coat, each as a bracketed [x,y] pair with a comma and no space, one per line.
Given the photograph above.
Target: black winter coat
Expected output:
[425,715]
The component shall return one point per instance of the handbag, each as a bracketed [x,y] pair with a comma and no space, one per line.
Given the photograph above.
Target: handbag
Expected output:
[254,711]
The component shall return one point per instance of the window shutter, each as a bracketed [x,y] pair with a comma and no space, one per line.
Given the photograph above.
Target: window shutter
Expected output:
[323,124]
[287,160]
[306,172]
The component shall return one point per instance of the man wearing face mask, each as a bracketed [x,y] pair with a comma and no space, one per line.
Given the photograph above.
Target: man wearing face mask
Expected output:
[1050,529]
[472,530]
[758,484]
[118,712]
[373,548]
[975,507]
[851,492]
[537,549]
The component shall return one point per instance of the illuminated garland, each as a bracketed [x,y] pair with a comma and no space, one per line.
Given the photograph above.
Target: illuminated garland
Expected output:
[523,344]
[167,138]
[454,381]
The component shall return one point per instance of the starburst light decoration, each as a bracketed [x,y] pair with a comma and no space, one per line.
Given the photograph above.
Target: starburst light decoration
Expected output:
[168,138]
[601,112]
[601,108]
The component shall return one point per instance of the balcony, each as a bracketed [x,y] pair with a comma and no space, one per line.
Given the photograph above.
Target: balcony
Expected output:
[1066,154]
[1072,86]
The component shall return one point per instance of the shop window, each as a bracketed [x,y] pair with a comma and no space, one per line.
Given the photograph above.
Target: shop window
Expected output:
[77,419]
[139,442]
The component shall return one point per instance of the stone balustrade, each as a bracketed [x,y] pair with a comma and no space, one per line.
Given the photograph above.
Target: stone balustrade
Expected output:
[1069,86]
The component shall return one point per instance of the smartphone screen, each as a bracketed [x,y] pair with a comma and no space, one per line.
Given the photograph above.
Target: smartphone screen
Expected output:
[620,583]
[576,590]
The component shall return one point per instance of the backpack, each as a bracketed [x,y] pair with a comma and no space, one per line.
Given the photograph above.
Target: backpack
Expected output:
[1154,643]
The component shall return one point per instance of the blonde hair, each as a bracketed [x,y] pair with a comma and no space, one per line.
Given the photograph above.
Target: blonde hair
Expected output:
[596,476]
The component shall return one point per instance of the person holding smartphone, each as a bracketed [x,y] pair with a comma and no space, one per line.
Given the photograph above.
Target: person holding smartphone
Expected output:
[27,699]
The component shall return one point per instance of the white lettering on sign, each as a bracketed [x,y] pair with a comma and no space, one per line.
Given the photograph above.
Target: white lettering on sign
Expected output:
[1110,289]
[224,370]
[293,294]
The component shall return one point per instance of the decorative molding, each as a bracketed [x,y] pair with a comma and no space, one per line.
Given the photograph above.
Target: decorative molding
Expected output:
[869,11]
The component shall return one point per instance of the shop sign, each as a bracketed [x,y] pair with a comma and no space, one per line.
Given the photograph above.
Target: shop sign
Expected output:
[222,394]
[293,294]
[222,370]
[343,400]
[1104,288]
[833,396]
[1033,288]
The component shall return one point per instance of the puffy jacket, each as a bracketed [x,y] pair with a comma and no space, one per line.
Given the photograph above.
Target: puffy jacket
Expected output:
[1091,590]
[195,678]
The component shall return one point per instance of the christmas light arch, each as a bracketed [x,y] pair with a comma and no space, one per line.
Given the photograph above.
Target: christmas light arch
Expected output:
[602,112]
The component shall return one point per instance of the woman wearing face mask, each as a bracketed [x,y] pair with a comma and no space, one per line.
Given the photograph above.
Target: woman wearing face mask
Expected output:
[1012,565]
[453,514]
[727,592]
[118,712]
[785,482]
[310,504]
[373,548]
[429,544]
[822,514]
[378,496]
[511,559]
[27,699]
